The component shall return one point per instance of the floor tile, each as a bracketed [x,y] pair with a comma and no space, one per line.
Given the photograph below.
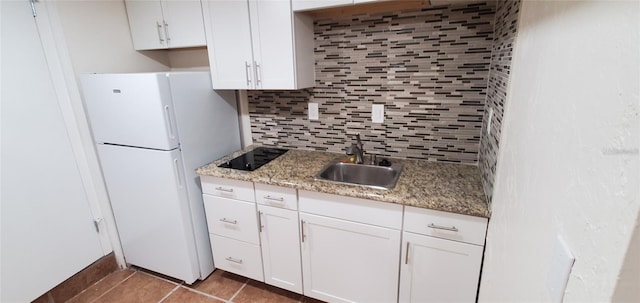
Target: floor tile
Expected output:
[257,292]
[139,288]
[311,300]
[46,298]
[96,290]
[183,295]
[221,284]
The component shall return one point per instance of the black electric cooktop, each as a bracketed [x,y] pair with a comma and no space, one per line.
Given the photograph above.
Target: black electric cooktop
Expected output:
[254,159]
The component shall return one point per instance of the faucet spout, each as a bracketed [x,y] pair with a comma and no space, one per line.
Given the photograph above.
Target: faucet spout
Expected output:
[356,149]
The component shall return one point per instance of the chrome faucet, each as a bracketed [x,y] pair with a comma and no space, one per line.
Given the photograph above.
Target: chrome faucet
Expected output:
[356,149]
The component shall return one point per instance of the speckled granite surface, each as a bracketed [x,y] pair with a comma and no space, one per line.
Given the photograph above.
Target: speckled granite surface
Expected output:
[441,186]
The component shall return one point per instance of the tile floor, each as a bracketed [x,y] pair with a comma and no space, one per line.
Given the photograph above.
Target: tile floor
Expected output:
[139,286]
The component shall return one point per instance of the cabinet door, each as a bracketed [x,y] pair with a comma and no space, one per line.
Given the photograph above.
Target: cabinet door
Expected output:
[229,44]
[438,270]
[280,239]
[345,261]
[183,23]
[146,24]
[272,34]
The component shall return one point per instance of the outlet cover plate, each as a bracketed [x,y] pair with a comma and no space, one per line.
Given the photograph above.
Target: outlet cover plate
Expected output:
[377,113]
[314,112]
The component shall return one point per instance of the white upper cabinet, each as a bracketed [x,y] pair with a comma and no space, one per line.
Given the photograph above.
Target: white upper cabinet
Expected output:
[305,5]
[258,45]
[162,24]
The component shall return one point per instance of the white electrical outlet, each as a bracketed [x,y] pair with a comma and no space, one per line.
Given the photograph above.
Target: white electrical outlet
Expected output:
[559,270]
[377,113]
[314,112]
[489,122]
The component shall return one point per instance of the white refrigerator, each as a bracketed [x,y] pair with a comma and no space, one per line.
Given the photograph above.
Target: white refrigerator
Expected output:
[152,130]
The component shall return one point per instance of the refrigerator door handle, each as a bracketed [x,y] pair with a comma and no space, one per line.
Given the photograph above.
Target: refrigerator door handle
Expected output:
[176,170]
[167,114]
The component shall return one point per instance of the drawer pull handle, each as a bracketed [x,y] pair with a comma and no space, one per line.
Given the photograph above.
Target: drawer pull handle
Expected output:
[239,261]
[228,190]
[452,228]
[281,199]
[225,220]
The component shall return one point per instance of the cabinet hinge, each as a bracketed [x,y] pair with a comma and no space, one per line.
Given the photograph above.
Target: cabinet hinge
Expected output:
[33,7]
[96,224]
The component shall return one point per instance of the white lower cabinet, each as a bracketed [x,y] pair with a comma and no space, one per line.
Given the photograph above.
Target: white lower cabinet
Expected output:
[343,249]
[438,270]
[442,256]
[280,237]
[232,220]
[346,261]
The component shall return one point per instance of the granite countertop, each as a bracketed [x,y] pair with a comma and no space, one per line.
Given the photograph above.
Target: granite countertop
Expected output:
[440,186]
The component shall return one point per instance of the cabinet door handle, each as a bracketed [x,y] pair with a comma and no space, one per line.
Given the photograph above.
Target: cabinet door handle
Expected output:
[166,30]
[452,228]
[247,68]
[260,226]
[159,27]
[228,190]
[258,80]
[302,230]
[270,198]
[406,254]
[239,261]
[225,220]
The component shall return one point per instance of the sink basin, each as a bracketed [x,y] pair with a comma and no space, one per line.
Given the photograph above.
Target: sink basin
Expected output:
[378,177]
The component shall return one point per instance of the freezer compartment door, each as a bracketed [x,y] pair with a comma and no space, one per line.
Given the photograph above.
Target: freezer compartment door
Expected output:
[131,109]
[151,209]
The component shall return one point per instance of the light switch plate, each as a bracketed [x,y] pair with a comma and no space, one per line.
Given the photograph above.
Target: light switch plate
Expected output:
[314,112]
[561,263]
[489,121]
[377,113]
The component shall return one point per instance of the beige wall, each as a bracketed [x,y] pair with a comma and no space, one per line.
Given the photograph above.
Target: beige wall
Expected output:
[568,163]
[189,59]
[98,39]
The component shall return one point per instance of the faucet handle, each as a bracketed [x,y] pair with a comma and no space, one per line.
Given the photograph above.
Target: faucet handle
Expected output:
[373,159]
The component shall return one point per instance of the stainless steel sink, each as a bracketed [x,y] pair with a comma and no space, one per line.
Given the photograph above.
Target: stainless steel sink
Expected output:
[378,177]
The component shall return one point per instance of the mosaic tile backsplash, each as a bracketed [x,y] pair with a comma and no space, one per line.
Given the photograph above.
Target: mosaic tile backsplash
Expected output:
[428,67]
[506,23]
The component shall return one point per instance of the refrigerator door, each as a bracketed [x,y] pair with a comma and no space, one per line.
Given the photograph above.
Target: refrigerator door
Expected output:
[131,109]
[150,205]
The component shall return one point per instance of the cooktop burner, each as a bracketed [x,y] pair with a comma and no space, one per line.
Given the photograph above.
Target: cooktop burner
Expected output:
[254,159]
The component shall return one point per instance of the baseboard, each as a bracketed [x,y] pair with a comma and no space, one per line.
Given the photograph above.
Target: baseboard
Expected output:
[80,281]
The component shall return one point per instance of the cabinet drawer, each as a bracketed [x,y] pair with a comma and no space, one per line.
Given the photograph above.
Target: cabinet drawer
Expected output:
[445,225]
[237,257]
[227,188]
[232,218]
[282,197]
